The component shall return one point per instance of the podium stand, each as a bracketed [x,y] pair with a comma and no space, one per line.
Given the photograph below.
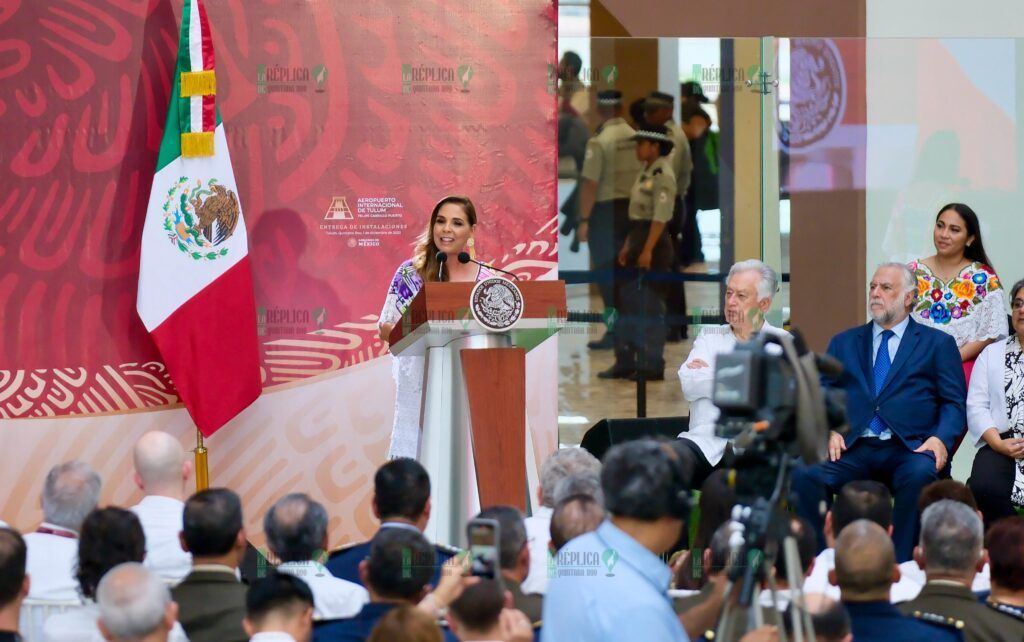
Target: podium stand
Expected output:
[473,420]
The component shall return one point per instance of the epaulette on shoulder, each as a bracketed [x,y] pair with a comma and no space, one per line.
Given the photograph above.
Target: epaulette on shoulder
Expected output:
[344,548]
[450,550]
[1015,612]
[941,620]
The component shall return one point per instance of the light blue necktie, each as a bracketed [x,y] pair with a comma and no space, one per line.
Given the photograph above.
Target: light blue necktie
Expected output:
[880,372]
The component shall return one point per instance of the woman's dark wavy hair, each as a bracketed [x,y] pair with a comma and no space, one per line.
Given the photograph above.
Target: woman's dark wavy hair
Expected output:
[976,250]
[110,536]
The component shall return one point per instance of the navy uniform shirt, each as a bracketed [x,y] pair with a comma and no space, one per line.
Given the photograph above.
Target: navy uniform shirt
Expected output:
[359,627]
[344,562]
[883,622]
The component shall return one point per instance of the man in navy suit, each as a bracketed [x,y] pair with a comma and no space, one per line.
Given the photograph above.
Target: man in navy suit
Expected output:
[905,402]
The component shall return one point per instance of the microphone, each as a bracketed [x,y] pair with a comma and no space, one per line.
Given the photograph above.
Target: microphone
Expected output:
[441,258]
[464,257]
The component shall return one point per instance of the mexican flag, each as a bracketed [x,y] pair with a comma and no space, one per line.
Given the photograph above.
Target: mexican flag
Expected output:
[195,281]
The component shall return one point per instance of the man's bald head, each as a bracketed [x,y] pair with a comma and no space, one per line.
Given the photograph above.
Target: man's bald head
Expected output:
[574,516]
[865,561]
[160,464]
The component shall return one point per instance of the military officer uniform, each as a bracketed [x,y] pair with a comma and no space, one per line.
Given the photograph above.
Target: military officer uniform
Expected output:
[344,562]
[610,162]
[954,600]
[881,621]
[675,292]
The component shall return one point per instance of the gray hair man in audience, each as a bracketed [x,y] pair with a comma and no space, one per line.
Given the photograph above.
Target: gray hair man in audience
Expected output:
[70,492]
[749,290]
[514,558]
[296,530]
[567,462]
[574,515]
[13,583]
[135,605]
[951,551]
[161,472]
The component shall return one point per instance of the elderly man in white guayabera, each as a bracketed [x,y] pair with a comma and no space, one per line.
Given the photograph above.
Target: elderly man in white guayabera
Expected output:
[750,287]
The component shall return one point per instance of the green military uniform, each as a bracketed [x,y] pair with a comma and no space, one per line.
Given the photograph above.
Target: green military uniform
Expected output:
[957,603]
[653,194]
[682,162]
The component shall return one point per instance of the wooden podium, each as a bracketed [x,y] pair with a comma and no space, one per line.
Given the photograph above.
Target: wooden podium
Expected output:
[474,437]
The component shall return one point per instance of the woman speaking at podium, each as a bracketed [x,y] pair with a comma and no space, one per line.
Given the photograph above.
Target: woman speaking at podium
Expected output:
[450,231]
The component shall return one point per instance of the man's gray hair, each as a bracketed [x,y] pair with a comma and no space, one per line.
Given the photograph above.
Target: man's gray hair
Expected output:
[133,601]
[295,527]
[909,280]
[951,537]
[767,284]
[588,484]
[561,464]
[71,491]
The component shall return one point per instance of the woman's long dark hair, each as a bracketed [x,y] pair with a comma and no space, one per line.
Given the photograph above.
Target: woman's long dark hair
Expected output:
[424,259]
[976,250]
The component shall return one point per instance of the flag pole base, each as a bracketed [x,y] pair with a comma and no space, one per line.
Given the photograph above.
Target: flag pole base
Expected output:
[202,469]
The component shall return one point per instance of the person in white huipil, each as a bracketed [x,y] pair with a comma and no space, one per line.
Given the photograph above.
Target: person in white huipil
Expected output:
[70,492]
[162,471]
[559,466]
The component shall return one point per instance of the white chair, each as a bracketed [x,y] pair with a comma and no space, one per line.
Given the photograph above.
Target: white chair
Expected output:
[34,612]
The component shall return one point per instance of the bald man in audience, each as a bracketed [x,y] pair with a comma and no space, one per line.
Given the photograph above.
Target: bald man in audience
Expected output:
[574,516]
[865,569]
[162,472]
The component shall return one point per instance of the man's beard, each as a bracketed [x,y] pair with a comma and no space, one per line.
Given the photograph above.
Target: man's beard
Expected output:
[887,315]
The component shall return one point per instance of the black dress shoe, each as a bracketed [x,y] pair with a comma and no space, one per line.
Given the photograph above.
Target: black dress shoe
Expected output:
[607,342]
[616,372]
[649,375]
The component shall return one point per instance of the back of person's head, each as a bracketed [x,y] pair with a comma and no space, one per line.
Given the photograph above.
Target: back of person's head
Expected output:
[574,516]
[1005,544]
[401,564]
[211,522]
[806,546]
[296,528]
[720,548]
[865,561]
[110,536]
[276,602]
[951,538]
[134,603]
[564,463]
[478,609]
[159,461]
[588,484]
[401,488]
[717,498]
[645,480]
[512,534]
[406,623]
[861,499]
[71,491]
[946,489]
[829,618]
[12,567]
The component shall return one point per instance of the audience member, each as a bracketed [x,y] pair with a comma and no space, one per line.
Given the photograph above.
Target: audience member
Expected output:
[559,465]
[401,499]
[709,563]
[865,568]
[1005,542]
[296,530]
[803,534]
[13,583]
[573,516]
[135,606]
[406,623]
[480,615]
[902,427]
[829,618]
[951,552]
[70,492]
[717,499]
[279,608]
[514,558]
[586,484]
[162,471]
[211,599]
[397,572]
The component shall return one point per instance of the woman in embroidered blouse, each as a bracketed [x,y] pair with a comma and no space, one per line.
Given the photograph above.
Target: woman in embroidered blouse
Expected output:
[958,291]
[451,228]
[995,419]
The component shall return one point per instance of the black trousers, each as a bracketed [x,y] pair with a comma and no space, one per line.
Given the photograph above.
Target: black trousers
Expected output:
[991,482]
[640,331]
[700,465]
[608,226]
[675,289]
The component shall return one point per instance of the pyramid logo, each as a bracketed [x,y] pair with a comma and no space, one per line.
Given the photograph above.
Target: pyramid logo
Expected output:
[339,210]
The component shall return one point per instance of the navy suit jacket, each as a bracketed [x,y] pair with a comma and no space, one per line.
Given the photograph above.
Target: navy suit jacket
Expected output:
[924,394]
[359,627]
[344,562]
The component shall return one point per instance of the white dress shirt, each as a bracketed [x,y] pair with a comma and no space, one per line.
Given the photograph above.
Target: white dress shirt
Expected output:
[51,562]
[79,625]
[332,597]
[272,636]
[913,573]
[817,581]
[697,387]
[538,537]
[161,519]
[986,396]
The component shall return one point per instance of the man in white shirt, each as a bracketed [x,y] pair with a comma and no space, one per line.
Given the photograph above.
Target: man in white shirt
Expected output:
[279,608]
[162,472]
[750,287]
[70,492]
[296,530]
[561,465]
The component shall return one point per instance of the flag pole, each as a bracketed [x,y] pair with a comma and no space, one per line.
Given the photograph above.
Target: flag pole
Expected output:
[202,470]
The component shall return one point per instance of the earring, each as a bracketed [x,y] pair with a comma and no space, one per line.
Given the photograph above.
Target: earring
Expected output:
[470,242]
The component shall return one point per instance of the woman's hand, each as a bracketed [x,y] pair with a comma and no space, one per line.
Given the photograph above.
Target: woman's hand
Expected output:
[385,331]
[1012,448]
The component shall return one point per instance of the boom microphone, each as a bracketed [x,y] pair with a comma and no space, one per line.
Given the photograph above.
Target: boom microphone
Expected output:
[441,258]
[464,257]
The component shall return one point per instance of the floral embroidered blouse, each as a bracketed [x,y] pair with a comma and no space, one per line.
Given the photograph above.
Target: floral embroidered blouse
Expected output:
[969,307]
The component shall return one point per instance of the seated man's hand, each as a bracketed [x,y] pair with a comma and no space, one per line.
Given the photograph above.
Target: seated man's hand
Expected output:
[696,364]
[937,448]
[836,446]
